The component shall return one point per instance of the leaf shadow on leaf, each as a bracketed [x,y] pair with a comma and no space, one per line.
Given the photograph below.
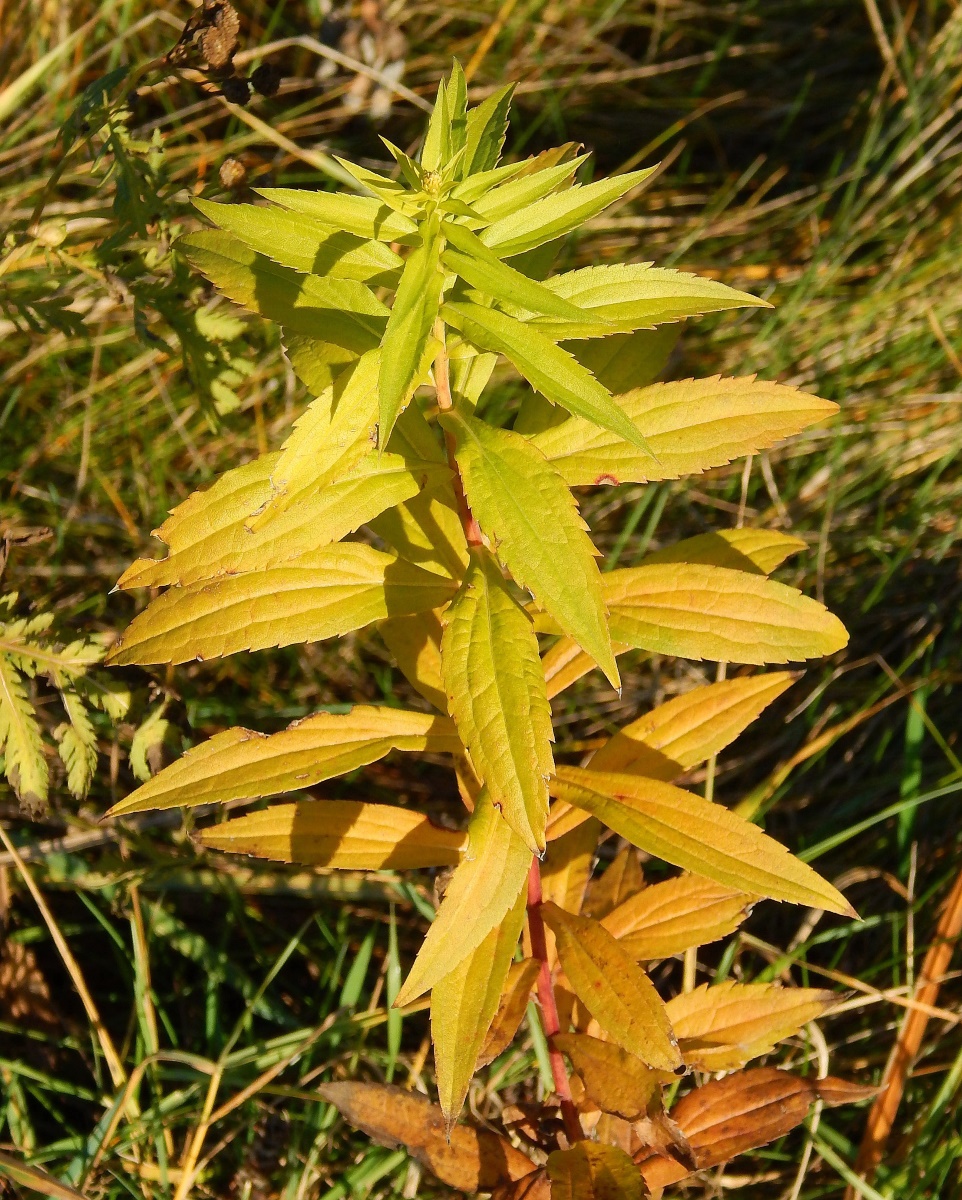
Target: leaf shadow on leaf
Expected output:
[308,847]
[715,551]
[278,290]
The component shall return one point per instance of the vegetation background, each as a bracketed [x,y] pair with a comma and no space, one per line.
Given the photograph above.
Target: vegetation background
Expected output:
[811,154]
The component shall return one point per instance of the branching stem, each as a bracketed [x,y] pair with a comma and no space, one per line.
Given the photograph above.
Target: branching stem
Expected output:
[442,385]
[549,1009]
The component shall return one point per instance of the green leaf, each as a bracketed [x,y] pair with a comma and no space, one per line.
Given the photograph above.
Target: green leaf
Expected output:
[527,225]
[594,1171]
[240,764]
[216,546]
[520,501]
[696,835]
[485,132]
[554,372]
[626,360]
[409,168]
[77,745]
[322,594]
[391,192]
[694,611]
[409,328]
[482,269]
[689,426]
[345,834]
[20,739]
[613,988]
[457,105]
[525,192]
[341,311]
[496,695]
[483,889]
[362,216]
[627,296]
[686,730]
[305,244]
[436,149]
[463,1005]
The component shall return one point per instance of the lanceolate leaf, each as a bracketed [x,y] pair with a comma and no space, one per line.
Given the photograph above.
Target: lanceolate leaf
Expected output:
[515,197]
[409,328]
[339,833]
[470,1160]
[613,988]
[592,1171]
[483,889]
[485,132]
[463,1005]
[341,311]
[20,739]
[627,360]
[535,224]
[721,1028]
[716,613]
[511,1008]
[697,835]
[627,297]
[362,216]
[304,243]
[522,504]
[554,372]
[615,1080]
[415,644]
[758,551]
[496,695]
[688,729]
[240,764]
[689,426]
[667,918]
[318,595]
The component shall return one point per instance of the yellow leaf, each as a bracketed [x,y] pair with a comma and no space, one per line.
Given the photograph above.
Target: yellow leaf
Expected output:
[615,1080]
[689,425]
[331,436]
[716,613]
[567,866]
[621,880]
[521,502]
[613,988]
[481,892]
[690,728]
[511,1008]
[758,551]
[240,764]
[721,1027]
[562,819]
[463,1005]
[212,545]
[565,663]
[427,531]
[666,918]
[322,594]
[697,835]
[591,1171]
[415,645]
[339,833]
[496,695]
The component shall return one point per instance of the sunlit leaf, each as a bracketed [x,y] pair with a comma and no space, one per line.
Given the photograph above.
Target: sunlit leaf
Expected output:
[699,612]
[339,833]
[36,1179]
[511,1009]
[319,595]
[362,216]
[521,503]
[463,1005]
[689,426]
[515,196]
[305,244]
[667,918]
[485,131]
[20,739]
[482,891]
[688,729]
[240,764]
[613,988]
[590,1171]
[758,551]
[496,695]
[697,835]
[470,1160]
[722,1027]
[615,1080]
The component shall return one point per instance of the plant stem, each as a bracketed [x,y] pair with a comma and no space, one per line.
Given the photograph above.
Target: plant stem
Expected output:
[442,385]
[549,1008]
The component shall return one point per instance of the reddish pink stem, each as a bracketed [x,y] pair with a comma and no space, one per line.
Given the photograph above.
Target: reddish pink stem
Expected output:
[549,1008]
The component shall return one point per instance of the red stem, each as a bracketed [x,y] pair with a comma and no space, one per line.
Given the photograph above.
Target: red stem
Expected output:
[549,1009]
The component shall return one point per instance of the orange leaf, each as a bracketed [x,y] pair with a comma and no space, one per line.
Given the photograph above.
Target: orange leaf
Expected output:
[615,1080]
[472,1160]
[590,1171]
[668,917]
[622,879]
[514,1001]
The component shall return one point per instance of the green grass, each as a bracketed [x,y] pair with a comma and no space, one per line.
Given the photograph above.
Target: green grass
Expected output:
[806,161]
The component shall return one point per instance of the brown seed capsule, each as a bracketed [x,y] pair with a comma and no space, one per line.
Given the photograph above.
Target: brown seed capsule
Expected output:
[232,173]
